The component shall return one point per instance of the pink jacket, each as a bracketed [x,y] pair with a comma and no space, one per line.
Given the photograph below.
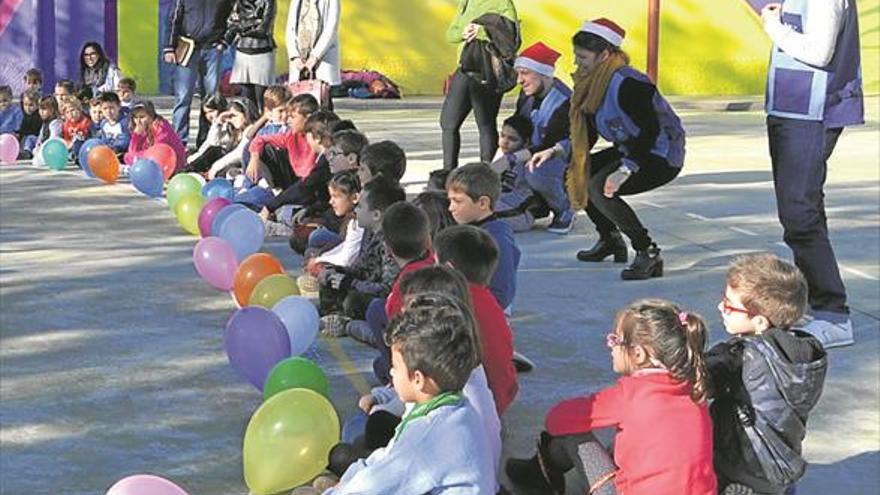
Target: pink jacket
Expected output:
[162,132]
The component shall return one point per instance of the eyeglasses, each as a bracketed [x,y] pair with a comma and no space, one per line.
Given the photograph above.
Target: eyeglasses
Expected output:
[727,308]
[90,54]
[613,340]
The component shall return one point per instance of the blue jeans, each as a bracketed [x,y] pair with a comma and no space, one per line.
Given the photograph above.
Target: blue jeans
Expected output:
[548,180]
[166,70]
[204,62]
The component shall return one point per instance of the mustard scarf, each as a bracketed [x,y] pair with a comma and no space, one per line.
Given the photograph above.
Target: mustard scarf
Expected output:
[589,92]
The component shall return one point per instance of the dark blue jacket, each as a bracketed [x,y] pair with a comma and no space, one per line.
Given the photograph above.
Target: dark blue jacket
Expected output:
[202,20]
[503,283]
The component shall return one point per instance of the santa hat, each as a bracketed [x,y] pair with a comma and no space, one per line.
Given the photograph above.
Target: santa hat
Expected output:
[538,58]
[605,29]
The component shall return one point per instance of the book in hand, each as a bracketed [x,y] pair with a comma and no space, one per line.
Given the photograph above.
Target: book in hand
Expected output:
[184,49]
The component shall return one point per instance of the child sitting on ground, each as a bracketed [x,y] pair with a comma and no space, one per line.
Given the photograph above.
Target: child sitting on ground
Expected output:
[148,129]
[96,116]
[274,118]
[77,126]
[473,190]
[345,293]
[435,204]
[439,445]
[344,188]
[663,441]
[125,90]
[115,128]
[30,123]
[519,205]
[10,114]
[474,253]
[223,146]
[33,80]
[63,87]
[283,159]
[765,379]
[52,124]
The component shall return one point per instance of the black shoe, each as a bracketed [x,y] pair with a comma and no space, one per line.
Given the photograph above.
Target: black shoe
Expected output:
[537,473]
[607,245]
[648,264]
[521,363]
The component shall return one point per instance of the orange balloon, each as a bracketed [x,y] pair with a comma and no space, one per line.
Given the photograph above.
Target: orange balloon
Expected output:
[250,272]
[164,156]
[104,164]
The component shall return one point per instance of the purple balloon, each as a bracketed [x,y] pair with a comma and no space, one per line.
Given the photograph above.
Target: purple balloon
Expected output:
[145,484]
[255,340]
[216,262]
[209,211]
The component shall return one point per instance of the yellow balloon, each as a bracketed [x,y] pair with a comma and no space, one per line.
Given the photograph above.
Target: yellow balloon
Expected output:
[272,289]
[187,212]
[288,440]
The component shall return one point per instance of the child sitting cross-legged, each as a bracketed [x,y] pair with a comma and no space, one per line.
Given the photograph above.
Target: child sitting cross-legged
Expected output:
[663,441]
[344,188]
[439,446]
[765,379]
[30,124]
[115,127]
[77,126]
[147,129]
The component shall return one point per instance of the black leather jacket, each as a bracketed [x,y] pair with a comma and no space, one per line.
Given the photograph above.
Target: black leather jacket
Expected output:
[250,26]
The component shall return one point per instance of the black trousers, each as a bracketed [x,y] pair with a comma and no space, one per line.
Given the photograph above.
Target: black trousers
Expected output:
[276,167]
[203,163]
[799,150]
[465,94]
[610,214]
[588,457]
[254,93]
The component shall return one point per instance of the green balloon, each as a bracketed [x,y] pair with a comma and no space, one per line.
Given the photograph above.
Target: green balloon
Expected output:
[54,154]
[187,212]
[272,289]
[296,372]
[180,186]
[287,441]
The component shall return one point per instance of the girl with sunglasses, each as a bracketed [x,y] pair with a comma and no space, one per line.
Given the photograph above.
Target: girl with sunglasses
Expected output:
[663,440]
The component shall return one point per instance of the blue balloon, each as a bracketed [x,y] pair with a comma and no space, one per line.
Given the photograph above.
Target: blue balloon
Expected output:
[146,177]
[218,188]
[222,215]
[244,230]
[84,155]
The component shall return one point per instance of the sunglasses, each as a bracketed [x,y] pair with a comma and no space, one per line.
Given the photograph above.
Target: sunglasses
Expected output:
[613,340]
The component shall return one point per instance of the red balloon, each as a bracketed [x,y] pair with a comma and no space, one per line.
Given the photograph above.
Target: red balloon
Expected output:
[165,156]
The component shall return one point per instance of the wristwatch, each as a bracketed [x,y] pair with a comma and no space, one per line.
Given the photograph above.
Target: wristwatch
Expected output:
[625,170]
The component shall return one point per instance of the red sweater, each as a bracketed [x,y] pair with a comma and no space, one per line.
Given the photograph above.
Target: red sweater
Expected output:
[497,341]
[160,132]
[79,129]
[302,156]
[395,301]
[664,440]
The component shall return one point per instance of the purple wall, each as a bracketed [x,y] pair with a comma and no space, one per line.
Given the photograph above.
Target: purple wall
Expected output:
[76,22]
[16,45]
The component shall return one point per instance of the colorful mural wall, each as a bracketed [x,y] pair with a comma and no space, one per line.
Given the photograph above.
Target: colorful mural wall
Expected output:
[706,48]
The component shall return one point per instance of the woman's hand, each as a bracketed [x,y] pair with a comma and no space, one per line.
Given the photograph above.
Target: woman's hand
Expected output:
[298,65]
[613,183]
[366,403]
[311,63]
[470,32]
[540,158]
[170,58]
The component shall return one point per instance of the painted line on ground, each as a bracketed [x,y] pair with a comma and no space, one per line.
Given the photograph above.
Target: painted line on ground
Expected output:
[743,231]
[698,217]
[859,273]
[650,203]
[351,372]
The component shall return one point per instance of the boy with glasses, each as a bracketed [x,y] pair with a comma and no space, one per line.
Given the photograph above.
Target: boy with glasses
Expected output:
[765,379]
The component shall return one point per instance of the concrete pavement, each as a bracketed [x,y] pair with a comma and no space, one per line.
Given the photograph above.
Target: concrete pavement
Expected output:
[111,356]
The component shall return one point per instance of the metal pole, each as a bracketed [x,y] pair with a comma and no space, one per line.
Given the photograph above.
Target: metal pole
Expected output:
[653,37]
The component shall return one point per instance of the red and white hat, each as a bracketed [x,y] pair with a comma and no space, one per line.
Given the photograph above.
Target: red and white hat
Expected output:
[538,58]
[606,29]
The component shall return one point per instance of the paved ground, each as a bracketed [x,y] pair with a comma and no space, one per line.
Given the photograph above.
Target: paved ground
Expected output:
[111,357]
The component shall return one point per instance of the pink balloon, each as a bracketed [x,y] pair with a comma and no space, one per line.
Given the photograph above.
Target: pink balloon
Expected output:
[8,148]
[216,262]
[206,216]
[145,484]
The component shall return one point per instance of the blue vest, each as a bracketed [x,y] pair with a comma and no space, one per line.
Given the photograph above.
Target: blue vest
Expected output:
[616,127]
[830,94]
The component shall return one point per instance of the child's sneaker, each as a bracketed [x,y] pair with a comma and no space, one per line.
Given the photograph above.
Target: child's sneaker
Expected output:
[334,325]
[308,285]
[562,223]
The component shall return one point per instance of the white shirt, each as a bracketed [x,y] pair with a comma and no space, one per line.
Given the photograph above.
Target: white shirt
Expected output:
[815,46]
[344,253]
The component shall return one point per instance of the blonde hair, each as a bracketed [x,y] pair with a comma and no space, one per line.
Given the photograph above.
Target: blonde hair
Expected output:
[70,102]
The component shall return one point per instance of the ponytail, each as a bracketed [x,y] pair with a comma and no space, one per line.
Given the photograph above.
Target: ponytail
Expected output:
[694,369]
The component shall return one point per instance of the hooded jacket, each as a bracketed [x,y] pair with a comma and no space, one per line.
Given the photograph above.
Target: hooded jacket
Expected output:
[764,388]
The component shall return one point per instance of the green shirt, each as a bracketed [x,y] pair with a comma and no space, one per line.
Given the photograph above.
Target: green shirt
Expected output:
[468,10]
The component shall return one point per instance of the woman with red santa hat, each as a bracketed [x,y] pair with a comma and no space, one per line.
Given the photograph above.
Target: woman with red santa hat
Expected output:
[613,100]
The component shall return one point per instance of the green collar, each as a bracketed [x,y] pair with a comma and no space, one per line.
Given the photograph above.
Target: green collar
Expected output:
[422,410]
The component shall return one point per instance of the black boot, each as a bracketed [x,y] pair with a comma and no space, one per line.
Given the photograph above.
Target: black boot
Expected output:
[647,264]
[607,245]
[537,473]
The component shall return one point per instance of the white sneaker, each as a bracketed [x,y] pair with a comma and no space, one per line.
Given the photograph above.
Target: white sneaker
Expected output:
[831,334]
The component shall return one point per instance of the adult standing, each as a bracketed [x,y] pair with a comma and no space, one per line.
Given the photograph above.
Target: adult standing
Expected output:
[312,37]
[613,100]
[814,90]
[545,101]
[465,92]
[251,25]
[96,70]
[204,23]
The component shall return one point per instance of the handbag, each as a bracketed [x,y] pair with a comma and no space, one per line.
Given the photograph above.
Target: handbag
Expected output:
[311,86]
